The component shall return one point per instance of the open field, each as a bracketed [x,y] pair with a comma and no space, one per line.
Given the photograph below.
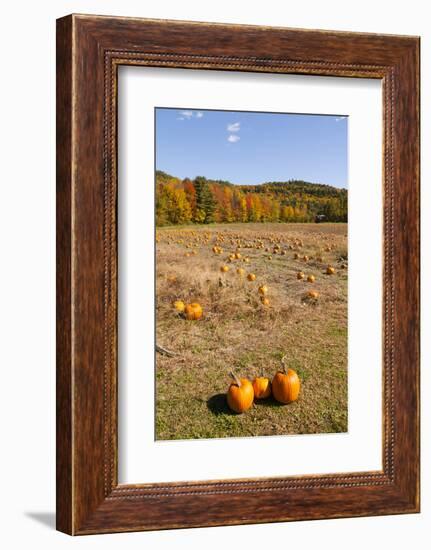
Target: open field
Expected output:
[237,332]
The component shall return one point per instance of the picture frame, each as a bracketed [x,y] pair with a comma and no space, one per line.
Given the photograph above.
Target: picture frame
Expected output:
[89,51]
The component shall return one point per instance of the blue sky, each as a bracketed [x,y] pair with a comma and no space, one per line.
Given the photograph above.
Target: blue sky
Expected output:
[252,147]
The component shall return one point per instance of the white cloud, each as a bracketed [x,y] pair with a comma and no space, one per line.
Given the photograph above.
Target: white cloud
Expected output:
[187,115]
[234,127]
[233,138]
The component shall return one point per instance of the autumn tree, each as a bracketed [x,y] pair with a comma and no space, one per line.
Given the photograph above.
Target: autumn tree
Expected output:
[206,201]
[172,206]
[190,191]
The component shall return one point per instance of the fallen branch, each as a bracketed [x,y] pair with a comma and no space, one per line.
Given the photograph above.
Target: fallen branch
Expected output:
[165,351]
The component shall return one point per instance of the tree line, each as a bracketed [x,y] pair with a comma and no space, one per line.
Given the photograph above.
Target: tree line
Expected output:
[205,201]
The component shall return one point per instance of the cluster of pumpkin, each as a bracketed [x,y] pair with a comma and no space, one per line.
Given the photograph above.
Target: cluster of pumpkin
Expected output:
[270,242]
[311,294]
[192,253]
[192,311]
[301,275]
[232,256]
[263,289]
[284,387]
[330,270]
[240,271]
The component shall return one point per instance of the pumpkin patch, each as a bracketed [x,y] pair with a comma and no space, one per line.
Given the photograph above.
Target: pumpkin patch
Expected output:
[227,303]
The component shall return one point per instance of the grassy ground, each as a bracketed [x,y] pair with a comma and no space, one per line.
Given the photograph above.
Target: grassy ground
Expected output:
[238,332]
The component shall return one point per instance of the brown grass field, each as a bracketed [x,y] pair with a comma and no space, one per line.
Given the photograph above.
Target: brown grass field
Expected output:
[237,332]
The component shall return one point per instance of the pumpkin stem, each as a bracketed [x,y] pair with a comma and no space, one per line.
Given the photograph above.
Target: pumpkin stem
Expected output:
[235,377]
[283,362]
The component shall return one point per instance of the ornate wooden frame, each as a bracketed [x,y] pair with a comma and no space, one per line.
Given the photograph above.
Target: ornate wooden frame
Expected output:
[89,51]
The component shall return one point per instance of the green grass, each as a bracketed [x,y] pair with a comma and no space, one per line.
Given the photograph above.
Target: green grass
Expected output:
[238,333]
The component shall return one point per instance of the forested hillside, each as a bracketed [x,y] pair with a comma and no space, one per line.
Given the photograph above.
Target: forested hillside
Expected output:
[208,201]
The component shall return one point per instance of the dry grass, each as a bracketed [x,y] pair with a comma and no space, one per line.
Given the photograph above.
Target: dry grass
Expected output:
[238,332]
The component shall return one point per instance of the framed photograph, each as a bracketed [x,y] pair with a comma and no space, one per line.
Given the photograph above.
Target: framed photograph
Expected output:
[237,274]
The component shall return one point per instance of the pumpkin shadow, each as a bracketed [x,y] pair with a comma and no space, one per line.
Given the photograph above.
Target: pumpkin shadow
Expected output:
[217,404]
[268,402]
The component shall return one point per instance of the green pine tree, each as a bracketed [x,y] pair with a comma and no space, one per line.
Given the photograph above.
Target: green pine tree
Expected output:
[205,201]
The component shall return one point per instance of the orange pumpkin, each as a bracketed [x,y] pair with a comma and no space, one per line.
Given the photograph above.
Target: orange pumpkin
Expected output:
[251,277]
[193,311]
[286,385]
[312,294]
[261,387]
[300,275]
[240,394]
[330,270]
[311,278]
[224,268]
[265,301]
[263,289]
[240,271]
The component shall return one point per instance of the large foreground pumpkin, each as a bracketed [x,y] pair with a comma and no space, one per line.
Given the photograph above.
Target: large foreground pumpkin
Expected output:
[286,385]
[240,394]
